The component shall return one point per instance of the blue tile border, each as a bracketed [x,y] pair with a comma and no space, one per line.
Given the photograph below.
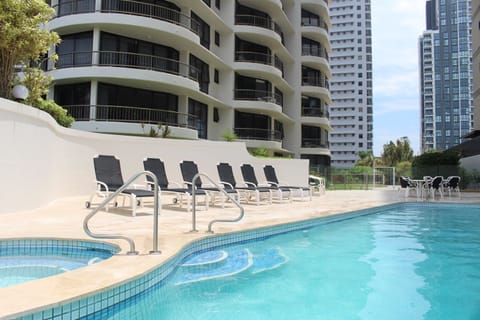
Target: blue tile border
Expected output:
[86,308]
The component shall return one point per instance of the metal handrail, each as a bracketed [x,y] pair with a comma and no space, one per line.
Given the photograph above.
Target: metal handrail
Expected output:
[194,212]
[112,196]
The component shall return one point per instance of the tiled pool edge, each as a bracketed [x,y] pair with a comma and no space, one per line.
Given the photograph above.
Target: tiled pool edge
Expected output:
[88,306]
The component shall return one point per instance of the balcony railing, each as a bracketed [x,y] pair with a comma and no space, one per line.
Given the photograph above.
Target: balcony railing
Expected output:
[127,60]
[258,95]
[315,51]
[112,113]
[314,22]
[259,57]
[258,134]
[315,112]
[261,22]
[314,143]
[130,7]
[315,81]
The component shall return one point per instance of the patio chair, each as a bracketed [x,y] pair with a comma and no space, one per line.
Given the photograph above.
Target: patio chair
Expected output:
[109,179]
[452,183]
[433,185]
[227,179]
[190,170]
[272,180]
[250,179]
[157,167]
[408,185]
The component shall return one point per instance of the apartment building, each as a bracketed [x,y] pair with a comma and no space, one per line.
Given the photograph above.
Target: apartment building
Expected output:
[351,113]
[205,69]
[446,75]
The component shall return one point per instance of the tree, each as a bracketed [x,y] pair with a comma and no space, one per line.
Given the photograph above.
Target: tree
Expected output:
[23,39]
[394,153]
[366,159]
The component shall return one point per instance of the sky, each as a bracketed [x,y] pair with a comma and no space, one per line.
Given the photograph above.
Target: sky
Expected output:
[396,27]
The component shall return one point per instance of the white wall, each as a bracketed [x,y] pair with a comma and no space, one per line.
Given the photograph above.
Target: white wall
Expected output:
[471,163]
[41,161]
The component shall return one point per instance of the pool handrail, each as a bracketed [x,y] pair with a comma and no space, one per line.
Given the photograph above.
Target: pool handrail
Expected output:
[116,236]
[220,189]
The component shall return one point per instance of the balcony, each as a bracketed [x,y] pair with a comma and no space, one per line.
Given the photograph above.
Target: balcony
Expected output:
[314,143]
[315,112]
[261,22]
[127,60]
[315,81]
[259,57]
[129,7]
[258,134]
[258,95]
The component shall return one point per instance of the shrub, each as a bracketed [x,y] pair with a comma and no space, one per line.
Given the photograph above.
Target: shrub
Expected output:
[56,111]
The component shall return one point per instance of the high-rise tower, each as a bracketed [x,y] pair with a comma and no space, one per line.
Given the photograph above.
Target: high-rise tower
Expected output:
[446,77]
[351,114]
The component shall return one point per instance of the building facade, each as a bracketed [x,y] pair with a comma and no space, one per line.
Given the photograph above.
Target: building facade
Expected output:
[205,69]
[351,113]
[446,75]
[476,62]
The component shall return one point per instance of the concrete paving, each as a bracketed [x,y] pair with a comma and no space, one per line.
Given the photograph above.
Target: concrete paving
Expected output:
[64,219]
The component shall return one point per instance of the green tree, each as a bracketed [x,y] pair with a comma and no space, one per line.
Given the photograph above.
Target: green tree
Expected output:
[366,159]
[23,38]
[394,153]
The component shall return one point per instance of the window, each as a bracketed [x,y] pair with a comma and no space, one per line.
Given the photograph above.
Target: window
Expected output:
[216,76]
[201,71]
[75,98]
[202,29]
[217,4]
[75,50]
[198,117]
[217,38]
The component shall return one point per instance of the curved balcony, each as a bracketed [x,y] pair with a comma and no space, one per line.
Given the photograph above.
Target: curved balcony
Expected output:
[259,96]
[259,57]
[317,62]
[318,88]
[261,30]
[274,9]
[320,7]
[258,134]
[131,120]
[127,60]
[129,7]
[318,34]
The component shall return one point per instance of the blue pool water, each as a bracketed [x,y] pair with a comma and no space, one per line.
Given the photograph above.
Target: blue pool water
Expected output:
[29,259]
[406,262]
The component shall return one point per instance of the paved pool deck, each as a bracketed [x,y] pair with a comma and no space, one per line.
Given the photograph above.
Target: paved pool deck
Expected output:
[63,219]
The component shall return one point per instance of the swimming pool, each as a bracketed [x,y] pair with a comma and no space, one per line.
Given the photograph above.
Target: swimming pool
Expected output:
[409,261]
[23,260]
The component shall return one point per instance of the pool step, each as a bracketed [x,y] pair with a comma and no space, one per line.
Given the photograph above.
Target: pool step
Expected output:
[220,263]
[236,262]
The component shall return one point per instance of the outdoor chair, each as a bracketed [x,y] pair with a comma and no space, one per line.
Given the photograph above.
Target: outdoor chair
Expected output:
[227,179]
[272,180]
[109,179]
[190,170]
[183,195]
[250,179]
[433,185]
[408,185]
[452,183]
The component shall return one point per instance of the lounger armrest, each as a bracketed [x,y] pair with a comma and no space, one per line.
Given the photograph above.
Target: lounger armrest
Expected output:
[101,184]
[270,183]
[226,184]
[249,184]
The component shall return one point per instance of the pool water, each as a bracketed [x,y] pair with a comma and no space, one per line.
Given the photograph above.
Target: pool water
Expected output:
[26,260]
[411,262]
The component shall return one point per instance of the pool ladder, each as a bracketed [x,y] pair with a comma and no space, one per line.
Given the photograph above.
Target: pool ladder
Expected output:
[112,196]
[220,189]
